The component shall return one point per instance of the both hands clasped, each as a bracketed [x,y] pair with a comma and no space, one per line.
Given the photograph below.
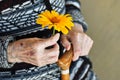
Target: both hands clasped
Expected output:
[33,50]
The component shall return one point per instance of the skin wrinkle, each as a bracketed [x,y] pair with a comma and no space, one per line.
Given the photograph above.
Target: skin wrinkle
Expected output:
[36,50]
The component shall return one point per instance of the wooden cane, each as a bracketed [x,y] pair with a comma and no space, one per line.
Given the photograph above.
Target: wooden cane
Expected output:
[64,63]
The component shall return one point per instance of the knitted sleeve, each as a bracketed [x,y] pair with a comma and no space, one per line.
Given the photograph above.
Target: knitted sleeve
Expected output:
[73,7]
[4,41]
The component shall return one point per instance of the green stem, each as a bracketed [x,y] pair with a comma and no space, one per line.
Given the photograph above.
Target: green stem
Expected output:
[53,31]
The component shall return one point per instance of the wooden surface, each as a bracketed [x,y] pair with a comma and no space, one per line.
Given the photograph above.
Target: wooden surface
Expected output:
[103,18]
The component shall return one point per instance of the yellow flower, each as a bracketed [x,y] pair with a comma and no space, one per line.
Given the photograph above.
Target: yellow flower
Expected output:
[58,21]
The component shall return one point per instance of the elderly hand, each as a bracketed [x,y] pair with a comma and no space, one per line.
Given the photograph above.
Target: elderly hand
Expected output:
[81,42]
[34,51]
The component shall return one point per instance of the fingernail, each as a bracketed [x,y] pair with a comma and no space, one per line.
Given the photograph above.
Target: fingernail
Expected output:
[67,47]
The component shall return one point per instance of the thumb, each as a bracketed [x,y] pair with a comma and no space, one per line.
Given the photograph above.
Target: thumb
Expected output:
[65,42]
[52,40]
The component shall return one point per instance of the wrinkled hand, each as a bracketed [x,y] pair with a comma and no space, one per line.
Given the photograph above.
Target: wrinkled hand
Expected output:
[34,51]
[81,42]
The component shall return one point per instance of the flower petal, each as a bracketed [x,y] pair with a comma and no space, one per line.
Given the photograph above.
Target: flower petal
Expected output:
[51,19]
[64,30]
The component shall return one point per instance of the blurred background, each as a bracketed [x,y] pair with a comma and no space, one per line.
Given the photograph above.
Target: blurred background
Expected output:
[103,18]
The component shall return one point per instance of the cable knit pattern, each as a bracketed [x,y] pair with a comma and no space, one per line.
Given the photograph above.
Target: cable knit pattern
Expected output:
[74,8]
[4,41]
[19,20]
[78,18]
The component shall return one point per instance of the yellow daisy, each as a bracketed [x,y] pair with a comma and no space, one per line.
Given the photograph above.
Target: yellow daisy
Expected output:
[56,21]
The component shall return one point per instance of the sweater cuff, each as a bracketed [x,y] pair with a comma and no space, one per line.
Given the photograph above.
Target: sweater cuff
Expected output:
[4,41]
[77,17]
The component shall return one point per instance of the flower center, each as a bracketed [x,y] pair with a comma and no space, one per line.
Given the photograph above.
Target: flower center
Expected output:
[55,20]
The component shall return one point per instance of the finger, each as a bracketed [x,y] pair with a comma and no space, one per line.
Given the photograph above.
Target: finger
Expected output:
[29,60]
[39,59]
[51,41]
[54,51]
[65,42]
[52,59]
[86,46]
[49,56]
[76,42]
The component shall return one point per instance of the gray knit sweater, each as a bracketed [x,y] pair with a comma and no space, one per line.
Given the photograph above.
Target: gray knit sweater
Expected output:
[17,19]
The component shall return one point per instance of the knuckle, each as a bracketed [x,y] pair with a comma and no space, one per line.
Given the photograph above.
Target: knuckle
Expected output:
[50,62]
[86,36]
[92,41]
[84,53]
[57,52]
[56,59]
[77,34]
